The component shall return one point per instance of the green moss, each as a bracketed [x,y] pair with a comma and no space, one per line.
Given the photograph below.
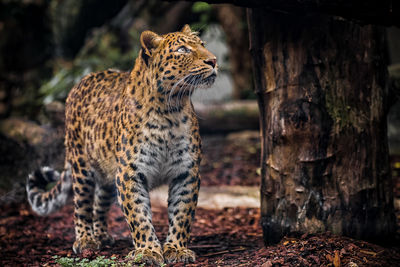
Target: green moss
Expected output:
[100,261]
[338,110]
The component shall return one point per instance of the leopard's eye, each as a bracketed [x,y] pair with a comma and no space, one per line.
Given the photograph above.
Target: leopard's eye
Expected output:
[183,49]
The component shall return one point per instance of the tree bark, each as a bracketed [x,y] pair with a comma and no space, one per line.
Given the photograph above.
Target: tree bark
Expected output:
[321,89]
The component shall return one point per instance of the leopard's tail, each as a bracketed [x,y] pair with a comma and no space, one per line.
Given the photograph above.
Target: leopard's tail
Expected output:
[45,202]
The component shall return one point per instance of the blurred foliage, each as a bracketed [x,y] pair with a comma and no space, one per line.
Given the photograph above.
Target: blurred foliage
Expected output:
[47,46]
[72,21]
[101,51]
[205,16]
[25,49]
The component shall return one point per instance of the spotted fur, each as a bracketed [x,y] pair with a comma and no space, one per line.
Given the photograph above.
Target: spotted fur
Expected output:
[133,132]
[42,202]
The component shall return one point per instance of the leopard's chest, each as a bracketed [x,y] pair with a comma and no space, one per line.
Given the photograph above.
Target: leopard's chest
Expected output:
[165,154]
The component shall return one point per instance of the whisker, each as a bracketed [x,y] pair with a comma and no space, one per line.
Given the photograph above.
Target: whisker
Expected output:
[169,105]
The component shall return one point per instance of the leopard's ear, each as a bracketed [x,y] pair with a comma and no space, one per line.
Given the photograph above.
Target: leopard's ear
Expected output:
[149,41]
[186,29]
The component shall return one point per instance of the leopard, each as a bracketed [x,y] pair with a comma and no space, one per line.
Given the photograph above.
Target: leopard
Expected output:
[127,133]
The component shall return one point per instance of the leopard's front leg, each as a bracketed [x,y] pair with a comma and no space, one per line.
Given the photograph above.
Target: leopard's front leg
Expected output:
[182,201]
[133,195]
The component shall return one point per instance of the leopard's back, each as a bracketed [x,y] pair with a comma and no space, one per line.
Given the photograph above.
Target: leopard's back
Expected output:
[94,97]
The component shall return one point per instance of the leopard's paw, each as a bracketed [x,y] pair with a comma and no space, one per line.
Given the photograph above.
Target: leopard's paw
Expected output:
[85,243]
[173,255]
[147,256]
[105,239]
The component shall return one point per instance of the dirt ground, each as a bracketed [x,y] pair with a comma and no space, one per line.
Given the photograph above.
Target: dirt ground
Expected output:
[223,237]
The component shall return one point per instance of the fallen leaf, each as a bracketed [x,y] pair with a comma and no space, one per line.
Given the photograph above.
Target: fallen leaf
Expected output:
[368,252]
[267,264]
[336,260]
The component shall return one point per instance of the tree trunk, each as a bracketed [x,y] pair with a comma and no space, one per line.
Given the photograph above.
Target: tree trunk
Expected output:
[321,89]
[233,22]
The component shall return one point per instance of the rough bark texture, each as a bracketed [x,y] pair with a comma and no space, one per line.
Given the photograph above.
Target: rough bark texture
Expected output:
[233,21]
[321,88]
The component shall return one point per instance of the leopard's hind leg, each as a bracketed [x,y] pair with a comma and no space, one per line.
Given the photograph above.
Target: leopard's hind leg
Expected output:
[83,188]
[103,198]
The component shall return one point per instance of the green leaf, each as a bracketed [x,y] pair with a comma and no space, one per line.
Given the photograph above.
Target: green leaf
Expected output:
[199,7]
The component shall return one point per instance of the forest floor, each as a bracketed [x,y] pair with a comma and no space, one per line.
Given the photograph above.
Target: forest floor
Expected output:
[220,237]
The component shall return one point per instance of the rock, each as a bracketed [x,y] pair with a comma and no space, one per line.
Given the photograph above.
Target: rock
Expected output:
[215,197]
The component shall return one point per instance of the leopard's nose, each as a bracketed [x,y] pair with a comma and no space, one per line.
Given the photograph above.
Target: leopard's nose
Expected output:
[211,61]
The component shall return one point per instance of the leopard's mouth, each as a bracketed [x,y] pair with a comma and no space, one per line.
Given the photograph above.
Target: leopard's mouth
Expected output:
[199,80]
[210,79]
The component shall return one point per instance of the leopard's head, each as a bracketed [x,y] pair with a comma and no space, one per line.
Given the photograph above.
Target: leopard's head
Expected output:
[178,61]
